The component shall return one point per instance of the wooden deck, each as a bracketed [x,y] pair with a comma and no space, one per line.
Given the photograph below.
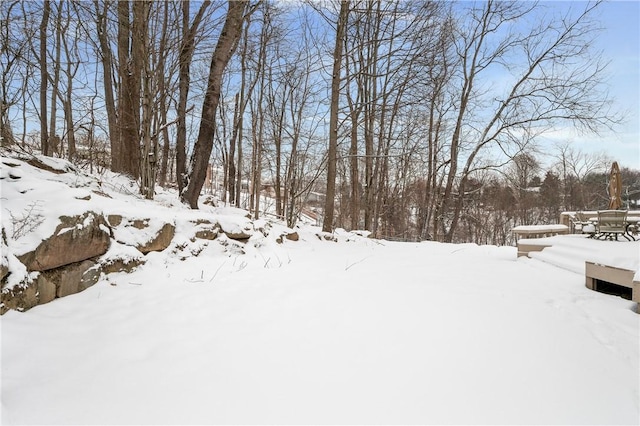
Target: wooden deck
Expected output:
[582,255]
[597,275]
[523,233]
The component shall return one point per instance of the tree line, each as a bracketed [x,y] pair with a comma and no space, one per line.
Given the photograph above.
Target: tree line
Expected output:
[401,113]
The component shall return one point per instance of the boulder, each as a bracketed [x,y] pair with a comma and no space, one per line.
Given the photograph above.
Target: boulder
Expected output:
[160,241]
[207,232]
[327,236]
[46,289]
[146,235]
[58,166]
[19,298]
[71,279]
[237,228]
[75,239]
[114,219]
[292,236]
[124,260]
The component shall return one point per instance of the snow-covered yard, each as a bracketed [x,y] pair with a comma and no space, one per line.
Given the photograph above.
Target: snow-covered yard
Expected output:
[353,332]
[314,331]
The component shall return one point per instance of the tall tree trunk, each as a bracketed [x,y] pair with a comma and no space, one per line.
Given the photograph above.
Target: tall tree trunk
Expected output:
[54,139]
[162,94]
[149,153]
[44,77]
[259,116]
[353,169]
[106,59]
[67,100]
[238,175]
[68,111]
[225,47]
[129,95]
[186,54]
[327,224]
[231,165]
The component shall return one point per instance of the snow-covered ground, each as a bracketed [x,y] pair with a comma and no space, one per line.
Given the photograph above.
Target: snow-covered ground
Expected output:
[314,331]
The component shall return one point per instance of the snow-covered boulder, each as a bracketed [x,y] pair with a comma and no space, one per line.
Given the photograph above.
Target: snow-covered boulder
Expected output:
[236,227]
[20,297]
[75,239]
[207,231]
[121,258]
[327,236]
[145,234]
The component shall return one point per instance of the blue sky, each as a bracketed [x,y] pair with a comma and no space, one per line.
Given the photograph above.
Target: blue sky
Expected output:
[620,42]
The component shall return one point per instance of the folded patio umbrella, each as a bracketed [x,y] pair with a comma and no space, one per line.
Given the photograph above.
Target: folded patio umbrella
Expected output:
[615,187]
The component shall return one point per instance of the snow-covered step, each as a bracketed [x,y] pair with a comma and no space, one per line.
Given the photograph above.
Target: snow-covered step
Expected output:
[561,258]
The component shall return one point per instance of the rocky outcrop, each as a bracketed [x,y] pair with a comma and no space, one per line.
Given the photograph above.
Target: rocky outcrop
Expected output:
[75,239]
[59,168]
[65,262]
[144,234]
[82,248]
[49,285]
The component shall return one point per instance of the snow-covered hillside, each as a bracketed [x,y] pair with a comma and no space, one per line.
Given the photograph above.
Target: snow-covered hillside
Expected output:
[273,331]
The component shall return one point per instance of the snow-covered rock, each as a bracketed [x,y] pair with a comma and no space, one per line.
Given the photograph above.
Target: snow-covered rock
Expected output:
[146,234]
[75,239]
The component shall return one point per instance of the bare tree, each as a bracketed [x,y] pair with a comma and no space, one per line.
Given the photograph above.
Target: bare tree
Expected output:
[573,167]
[557,81]
[44,78]
[106,60]
[327,224]
[15,67]
[187,48]
[72,58]
[225,47]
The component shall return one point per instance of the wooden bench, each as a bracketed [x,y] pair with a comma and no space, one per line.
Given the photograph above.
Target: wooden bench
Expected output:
[597,275]
[525,232]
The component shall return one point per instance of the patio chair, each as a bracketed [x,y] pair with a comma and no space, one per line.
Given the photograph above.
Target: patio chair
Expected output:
[582,224]
[611,224]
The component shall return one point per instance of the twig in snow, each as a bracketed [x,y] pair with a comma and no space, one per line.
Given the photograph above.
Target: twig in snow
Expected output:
[355,263]
[242,266]
[218,270]
[132,283]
